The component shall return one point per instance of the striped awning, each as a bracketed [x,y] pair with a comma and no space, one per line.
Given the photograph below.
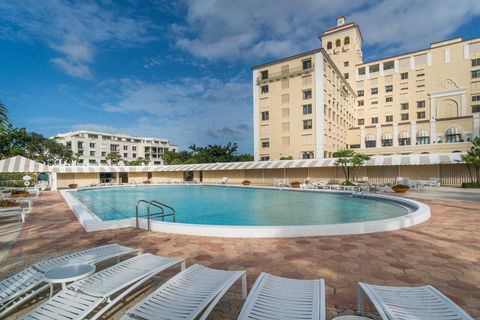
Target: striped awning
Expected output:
[22,164]
[393,160]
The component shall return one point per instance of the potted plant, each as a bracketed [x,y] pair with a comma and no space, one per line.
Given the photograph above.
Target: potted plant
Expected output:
[72,185]
[20,193]
[147,182]
[400,188]
[246,182]
[295,184]
[7,203]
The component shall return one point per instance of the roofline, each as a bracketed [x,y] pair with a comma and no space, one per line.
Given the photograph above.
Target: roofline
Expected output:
[298,55]
[420,50]
[349,25]
[66,134]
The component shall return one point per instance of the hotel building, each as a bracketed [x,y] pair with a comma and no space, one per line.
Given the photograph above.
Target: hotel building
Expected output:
[92,147]
[318,102]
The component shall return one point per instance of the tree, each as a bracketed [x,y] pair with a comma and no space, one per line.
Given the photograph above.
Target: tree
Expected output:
[286,158]
[472,160]
[349,160]
[208,154]
[4,122]
[138,162]
[113,157]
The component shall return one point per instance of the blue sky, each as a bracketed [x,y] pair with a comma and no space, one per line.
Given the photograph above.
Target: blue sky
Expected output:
[180,70]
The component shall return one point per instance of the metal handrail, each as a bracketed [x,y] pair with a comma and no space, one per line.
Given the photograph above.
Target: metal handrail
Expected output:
[150,215]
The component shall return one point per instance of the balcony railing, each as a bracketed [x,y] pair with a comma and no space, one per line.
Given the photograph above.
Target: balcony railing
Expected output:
[285,74]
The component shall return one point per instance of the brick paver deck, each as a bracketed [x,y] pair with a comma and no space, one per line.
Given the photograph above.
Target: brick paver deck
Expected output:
[443,252]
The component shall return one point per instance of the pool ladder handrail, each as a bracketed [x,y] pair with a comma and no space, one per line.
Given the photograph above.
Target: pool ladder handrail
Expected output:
[150,215]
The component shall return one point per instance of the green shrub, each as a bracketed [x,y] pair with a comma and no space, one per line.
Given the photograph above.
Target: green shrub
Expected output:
[470,185]
[348,183]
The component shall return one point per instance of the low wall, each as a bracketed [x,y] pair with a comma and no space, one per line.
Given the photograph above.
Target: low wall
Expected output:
[449,174]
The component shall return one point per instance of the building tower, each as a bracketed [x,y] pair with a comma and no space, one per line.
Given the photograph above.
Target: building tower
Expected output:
[343,44]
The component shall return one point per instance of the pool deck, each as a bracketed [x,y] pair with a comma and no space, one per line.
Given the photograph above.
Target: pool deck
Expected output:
[443,252]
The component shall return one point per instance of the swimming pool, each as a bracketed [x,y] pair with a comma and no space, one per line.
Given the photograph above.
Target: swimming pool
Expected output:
[234,206]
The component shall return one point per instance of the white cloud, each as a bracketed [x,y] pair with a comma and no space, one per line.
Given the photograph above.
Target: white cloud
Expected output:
[72,29]
[252,30]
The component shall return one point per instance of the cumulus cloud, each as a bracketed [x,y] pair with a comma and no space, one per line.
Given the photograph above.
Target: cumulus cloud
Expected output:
[73,29]
[252,30]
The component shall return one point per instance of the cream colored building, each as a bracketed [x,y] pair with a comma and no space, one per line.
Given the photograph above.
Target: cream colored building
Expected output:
[92,147]
[427,101]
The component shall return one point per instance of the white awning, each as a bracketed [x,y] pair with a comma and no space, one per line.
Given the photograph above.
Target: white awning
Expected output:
[22,164]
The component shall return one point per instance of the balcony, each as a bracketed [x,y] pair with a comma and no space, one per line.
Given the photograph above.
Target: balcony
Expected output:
[285,74]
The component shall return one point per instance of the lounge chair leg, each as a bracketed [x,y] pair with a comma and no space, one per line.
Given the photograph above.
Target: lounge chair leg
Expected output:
[183,265]
[51,290]
[244,286]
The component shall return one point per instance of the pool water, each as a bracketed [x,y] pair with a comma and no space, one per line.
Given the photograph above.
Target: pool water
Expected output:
[223,205]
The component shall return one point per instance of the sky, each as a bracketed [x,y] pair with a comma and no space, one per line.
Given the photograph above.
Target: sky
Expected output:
[180,70]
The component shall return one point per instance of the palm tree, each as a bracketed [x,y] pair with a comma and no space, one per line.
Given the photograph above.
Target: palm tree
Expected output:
[4,122]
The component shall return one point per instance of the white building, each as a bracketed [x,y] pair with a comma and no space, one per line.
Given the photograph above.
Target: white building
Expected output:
[92,147]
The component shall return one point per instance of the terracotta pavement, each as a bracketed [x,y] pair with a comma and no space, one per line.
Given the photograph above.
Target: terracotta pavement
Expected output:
[443,252]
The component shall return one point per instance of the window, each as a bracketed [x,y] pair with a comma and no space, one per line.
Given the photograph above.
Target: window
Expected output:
[404,75]
[389,88]
[264,75]
[125,155]
[374,68]
[264,88]
[265,143]
[374,90]
[134,148]
[79,145]
[134,155]
[421,115]
[423,137]
[329,45]
[361,103]
[476,74]
[307,154]
[387,140]
[264,158]
[345,75]
[475,108]
[374,102]
[346,40]
[92,145]
[388,118]
[360,93]
[388,65]
[453,134]
[421,104]
[374,120]
[307,94]
[92,153]
[307,124]
[370,141]
[476,98]
[346,63]
[404,116]
[285,141]
[476,62]
[404,106]
[307,109]
[404,138]
[361,122]
[125,148]
[104,153]
[420,75]
[307,64]
[265,116]
[338,43]
[388,99]
[361,71]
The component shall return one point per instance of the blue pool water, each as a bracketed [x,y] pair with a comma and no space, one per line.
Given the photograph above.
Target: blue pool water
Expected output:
[239,206]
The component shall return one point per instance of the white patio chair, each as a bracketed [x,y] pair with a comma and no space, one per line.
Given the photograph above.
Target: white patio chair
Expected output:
[224,180]
[190,294]
[102,290]
[28,283]
[275,297]
[13,212]
[410,303]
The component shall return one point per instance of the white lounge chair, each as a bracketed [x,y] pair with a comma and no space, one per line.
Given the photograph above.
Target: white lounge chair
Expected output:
[190,294]
[13,212]
[410,303]
[102,290]
[224,180]
[28,283]
[275,297]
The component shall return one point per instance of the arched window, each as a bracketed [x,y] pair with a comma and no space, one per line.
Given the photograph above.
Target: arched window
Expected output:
[338,43]
[404,138]
[370,141]
[329,45]
[453,134]
[346,40]
[423,137]
[387,140]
